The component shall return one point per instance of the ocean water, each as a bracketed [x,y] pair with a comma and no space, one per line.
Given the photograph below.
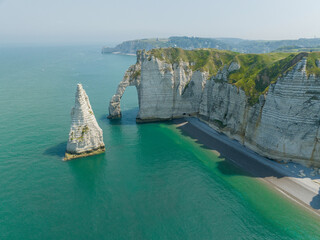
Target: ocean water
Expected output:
[153,182]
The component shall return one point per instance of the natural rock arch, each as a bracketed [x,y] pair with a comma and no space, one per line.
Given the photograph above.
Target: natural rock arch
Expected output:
[131,78]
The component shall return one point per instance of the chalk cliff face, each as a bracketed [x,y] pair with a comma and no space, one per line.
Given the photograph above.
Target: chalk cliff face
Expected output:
[85,137]
[282,125]
[168,91]
[131,78]
[165,91]
[290,119]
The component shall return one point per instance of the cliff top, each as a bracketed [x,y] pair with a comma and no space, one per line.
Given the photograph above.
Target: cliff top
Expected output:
[256,73]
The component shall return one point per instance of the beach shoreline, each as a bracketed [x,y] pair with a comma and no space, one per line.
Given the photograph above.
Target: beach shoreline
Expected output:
[297,182]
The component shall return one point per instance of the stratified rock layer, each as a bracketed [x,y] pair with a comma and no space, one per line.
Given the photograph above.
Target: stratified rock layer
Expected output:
[165,91]
[283,125]
[85,137]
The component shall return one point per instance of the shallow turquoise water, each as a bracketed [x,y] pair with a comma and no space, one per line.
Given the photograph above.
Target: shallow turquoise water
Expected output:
[152,183]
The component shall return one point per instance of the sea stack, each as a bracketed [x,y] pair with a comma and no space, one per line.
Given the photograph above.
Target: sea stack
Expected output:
[85,137]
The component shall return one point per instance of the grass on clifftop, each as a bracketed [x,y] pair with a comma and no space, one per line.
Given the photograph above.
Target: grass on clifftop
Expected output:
[256,73]
[209,60]
[312,67]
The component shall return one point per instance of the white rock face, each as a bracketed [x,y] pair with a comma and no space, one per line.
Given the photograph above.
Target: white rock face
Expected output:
[131,78]
[225,106]
[85,137]
[284,125]
[290,119]
[165,91]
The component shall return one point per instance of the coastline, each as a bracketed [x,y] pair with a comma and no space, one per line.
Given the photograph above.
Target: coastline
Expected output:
[297,182]
[119,53]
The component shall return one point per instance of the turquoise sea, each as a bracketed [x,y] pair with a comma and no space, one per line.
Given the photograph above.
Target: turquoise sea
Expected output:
[153,182]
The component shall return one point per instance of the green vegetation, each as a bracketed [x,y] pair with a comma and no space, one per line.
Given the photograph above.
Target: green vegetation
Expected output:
[312,67]
[297,49]
[136,74]
[134,45]
[256,73]
[209,60]
[219,124]
[84,130]
[72,136]
[159,41]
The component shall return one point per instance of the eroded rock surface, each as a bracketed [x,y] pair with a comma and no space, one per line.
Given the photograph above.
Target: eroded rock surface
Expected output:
[165,90]
[131,78]
[85,137]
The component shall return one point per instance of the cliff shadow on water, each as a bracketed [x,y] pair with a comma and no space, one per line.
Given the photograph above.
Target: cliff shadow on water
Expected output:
[57,150]
[234,156]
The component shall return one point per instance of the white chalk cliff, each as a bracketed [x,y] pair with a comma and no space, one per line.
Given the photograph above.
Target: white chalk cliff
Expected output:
[85,137]
[165,91]
[283,125]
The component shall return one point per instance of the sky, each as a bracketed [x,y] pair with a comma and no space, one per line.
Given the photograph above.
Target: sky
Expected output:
[106,21]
